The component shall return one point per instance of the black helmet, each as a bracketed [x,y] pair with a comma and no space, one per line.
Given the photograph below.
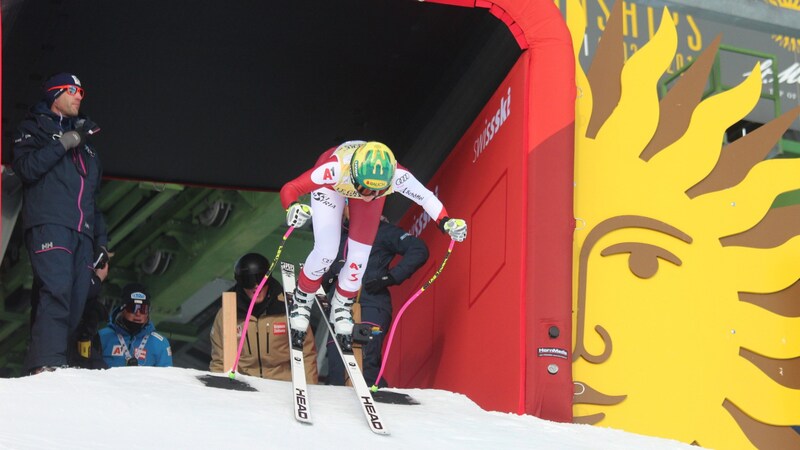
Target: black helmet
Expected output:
[250,269]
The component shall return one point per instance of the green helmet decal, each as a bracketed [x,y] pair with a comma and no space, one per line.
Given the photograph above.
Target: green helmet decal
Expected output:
[373,166]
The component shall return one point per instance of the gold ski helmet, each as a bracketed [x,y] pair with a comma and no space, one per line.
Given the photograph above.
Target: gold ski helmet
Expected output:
[372,168]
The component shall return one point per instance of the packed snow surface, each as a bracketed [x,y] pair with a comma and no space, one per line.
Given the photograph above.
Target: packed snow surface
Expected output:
[169,408]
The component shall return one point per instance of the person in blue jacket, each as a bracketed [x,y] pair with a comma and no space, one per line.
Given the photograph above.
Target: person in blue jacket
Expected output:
[375,300]
[130,339]
[64,231]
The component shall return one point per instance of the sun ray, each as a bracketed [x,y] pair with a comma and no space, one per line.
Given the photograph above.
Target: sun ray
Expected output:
[778,226]
[743,206]
[730,433]
[761,435]
[785,302]
[759,275]
[763,402]
[639,97]
[710,120]
[781,340]
[603,76]
[784,371]
[740,156]
[677,107]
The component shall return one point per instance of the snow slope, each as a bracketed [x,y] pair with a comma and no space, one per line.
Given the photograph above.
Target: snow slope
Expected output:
[157,408]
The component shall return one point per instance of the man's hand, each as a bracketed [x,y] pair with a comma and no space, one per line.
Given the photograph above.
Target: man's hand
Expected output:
[378,284]
[71,139]
[101,257]
[297,214]
[78,136]
[456,228]
[102,272]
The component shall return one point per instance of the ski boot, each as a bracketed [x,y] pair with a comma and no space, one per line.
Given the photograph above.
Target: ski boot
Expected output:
[299,315]
[342,320]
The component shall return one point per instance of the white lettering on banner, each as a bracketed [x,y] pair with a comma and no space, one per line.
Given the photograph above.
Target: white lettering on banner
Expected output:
[418,224]
[492,126]
[791,75]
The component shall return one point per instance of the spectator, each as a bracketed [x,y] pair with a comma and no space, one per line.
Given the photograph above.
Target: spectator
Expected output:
[375,300]
[60,172]
[265,352]
[130,339]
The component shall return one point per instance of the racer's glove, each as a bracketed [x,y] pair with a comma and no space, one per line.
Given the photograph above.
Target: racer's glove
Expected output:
[456,228]
[297,214]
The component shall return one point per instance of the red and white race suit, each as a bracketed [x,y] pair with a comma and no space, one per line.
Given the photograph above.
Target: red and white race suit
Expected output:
[330,185]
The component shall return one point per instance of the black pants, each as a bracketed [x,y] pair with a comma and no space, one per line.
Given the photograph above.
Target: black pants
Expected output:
[61,260]
[371,353]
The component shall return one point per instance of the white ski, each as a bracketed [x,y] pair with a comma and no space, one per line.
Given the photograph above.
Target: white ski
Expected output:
[360,387]
[302,411]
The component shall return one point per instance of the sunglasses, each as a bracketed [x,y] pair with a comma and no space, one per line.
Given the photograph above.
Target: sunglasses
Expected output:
[71,89]
[134,308]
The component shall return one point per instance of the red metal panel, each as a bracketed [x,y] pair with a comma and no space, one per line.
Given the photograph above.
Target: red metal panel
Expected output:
[478,295]
[544,274]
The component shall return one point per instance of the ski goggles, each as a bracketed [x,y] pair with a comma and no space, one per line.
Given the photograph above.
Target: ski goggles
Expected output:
[70,88]
[135,308]
[367,192]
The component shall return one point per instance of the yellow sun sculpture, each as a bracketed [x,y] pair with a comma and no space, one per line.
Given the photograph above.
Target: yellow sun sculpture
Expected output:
[687,299]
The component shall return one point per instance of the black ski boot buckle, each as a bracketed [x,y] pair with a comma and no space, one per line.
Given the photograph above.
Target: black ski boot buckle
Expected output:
[298,338]
[345,342]
[362,333]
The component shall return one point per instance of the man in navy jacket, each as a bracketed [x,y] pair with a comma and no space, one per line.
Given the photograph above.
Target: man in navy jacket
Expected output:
[65,233]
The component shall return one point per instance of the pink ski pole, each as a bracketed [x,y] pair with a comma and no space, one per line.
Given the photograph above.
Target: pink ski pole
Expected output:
[403,309]
[232,373]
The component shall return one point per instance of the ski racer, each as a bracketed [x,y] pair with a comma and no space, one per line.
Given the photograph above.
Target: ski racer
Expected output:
[364,174]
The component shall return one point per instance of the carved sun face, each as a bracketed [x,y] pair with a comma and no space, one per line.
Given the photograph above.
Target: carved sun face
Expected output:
[687,300]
